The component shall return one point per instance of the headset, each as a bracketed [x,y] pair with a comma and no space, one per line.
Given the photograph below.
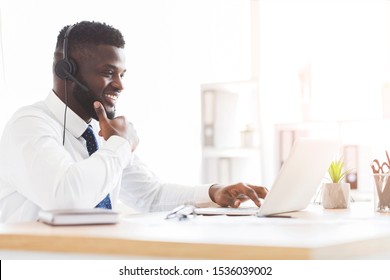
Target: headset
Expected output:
[66,68]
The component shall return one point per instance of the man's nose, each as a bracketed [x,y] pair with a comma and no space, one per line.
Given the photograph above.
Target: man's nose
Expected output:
[118,83]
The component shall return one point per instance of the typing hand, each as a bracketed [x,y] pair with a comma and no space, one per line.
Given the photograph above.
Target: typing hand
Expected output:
[118,126]
[234,195]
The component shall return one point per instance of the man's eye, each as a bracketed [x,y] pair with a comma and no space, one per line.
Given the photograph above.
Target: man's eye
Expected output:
[107,73]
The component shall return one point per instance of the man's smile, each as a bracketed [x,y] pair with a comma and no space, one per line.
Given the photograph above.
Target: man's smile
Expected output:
[110,98]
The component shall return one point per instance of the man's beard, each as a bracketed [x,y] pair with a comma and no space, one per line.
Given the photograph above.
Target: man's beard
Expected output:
[86,100]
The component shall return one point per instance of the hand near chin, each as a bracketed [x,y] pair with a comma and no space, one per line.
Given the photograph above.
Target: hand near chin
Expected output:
[234,195]
[117,126]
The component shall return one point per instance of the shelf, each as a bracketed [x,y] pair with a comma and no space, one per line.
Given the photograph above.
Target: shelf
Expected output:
[230,146]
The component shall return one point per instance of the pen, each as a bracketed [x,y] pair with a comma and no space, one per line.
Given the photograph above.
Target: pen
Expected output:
[174,211]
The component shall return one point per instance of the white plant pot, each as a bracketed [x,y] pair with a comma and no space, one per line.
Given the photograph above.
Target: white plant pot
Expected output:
[336,195]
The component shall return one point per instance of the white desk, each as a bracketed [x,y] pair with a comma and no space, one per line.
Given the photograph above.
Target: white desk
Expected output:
[356,233]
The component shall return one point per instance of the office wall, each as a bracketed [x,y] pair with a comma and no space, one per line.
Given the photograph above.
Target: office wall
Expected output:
[323,61]
[172,48]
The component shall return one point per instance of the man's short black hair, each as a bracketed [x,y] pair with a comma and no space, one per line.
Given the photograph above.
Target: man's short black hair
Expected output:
[86,34]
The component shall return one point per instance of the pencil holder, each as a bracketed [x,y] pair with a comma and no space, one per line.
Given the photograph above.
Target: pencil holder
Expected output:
[382,192]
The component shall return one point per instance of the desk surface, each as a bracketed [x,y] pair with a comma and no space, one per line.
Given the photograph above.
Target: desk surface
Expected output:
[314,233]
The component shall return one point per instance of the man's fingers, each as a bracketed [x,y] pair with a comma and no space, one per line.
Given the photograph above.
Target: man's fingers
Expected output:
[261,191]
[250,192]
[100,112]
[234,195]
[236,203]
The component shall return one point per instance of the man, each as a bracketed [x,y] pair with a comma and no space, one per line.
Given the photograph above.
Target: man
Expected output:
[49,158]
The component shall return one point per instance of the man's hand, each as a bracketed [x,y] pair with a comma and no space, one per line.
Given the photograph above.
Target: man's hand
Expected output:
[118,126]
[234,195]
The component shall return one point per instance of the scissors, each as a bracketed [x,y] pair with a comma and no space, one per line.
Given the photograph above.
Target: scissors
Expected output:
[381,168]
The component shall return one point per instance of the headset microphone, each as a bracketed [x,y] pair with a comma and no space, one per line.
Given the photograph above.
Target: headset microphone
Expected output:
[71,77]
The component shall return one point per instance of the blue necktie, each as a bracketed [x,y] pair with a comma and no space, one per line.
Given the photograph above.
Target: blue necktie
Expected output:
[92,146]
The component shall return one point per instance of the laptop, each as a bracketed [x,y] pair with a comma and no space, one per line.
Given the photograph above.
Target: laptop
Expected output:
[296,183]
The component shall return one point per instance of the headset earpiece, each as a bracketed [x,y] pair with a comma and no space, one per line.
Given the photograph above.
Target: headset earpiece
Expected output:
[66,67]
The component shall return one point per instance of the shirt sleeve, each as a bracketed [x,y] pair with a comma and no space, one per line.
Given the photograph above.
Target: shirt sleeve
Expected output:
[142,190]
[44,172]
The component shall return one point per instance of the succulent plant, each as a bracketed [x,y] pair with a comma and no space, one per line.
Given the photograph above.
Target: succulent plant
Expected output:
[336,171]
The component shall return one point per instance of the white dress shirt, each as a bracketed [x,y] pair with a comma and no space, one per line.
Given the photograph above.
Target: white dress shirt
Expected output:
[38,172]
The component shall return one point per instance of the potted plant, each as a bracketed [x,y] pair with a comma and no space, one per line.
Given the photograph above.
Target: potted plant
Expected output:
[336,194]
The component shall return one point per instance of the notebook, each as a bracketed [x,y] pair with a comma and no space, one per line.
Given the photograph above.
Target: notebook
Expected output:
[95,216]
[296,183]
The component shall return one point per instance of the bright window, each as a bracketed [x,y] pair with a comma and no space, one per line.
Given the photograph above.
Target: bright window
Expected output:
[323,60]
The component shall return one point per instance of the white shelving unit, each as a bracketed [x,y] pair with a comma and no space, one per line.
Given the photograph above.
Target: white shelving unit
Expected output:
[230,145]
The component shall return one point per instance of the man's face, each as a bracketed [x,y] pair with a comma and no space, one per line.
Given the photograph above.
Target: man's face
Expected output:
[101,71]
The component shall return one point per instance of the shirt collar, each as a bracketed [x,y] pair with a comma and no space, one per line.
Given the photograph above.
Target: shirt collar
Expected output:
[74,124]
